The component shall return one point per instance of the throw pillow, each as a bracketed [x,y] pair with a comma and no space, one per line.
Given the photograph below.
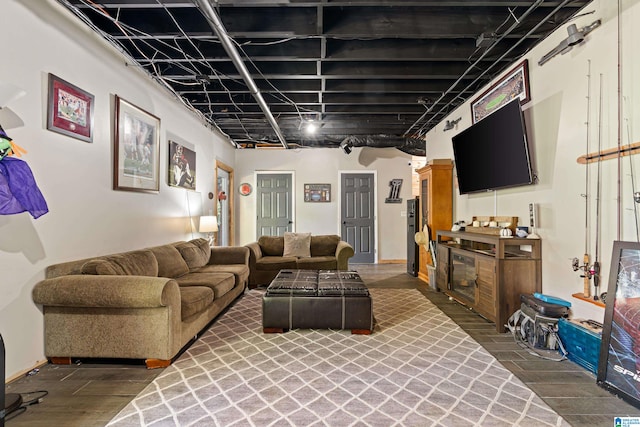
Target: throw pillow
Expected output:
[134,263]
[271,245]
[297,245]
[195,252]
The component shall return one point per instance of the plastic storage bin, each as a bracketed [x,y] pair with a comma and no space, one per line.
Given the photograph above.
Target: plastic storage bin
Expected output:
[581,342]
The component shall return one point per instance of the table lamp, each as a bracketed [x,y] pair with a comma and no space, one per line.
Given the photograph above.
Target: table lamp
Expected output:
[209,225]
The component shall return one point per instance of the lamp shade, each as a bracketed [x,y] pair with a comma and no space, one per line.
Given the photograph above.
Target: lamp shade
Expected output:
[208,224]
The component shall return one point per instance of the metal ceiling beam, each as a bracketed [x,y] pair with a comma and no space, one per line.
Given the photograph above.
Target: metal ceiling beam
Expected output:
[216,25]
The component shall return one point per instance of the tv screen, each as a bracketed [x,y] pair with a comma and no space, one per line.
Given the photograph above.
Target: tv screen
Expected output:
[493,153]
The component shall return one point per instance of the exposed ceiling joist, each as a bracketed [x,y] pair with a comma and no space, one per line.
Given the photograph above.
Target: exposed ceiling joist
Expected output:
[382,71]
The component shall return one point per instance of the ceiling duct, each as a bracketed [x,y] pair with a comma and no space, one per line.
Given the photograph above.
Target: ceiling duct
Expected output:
[216,25]
[413,146]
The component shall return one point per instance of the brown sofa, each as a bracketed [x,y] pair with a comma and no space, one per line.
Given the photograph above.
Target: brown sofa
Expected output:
[144,304]
[327,252]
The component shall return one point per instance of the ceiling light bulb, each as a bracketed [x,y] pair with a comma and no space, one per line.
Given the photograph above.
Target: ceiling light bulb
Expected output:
[311,128]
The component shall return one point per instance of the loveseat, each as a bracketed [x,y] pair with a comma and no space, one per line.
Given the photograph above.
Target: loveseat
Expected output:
[302,251]
[143,304]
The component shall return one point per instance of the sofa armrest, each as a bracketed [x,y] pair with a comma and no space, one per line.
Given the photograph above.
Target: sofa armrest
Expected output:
[224,255]
[255,253]
[344,251]
[107,291]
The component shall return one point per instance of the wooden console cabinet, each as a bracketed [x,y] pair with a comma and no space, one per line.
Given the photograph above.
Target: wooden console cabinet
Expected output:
[488,273]
[436,205]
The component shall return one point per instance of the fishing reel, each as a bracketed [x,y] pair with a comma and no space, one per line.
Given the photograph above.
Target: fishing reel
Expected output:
[588,271]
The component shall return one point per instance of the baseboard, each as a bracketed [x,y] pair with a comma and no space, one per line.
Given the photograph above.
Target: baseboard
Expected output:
[22,373]
[392,261]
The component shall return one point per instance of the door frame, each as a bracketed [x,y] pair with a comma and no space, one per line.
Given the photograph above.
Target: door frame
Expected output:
[293,195]
[230,197]
[376,255]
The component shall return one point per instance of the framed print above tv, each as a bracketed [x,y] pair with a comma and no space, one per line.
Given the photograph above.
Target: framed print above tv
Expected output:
[136,149]
[514,84]
[69,109]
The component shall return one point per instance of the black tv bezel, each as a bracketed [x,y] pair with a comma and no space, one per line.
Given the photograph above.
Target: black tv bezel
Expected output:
[493,117]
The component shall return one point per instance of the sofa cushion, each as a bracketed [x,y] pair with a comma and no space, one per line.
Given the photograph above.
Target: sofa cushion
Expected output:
[239,270]
[297,244]
[196,253]
[324,245]
[220,283]
[170,262]
[318,263]
[194,299]
[270,263]
[101,266]
[135,263]
[271,245]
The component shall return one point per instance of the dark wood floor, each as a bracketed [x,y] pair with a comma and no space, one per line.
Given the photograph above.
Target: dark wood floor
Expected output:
[90,394]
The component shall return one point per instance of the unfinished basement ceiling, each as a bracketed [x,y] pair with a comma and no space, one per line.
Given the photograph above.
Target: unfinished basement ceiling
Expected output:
[373,73]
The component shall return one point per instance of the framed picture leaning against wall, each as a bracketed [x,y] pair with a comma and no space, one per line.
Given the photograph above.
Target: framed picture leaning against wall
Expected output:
[619,362]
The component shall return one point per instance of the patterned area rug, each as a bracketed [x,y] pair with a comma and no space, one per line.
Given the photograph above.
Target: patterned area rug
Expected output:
[418,368]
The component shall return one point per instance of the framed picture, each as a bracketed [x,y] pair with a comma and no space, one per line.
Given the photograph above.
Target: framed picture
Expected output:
[182,166]
[619,361]
[515,84]
[70,110]
[315,193]
[136,149]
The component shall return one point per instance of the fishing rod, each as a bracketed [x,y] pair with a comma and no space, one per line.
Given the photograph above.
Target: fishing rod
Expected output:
[618,235]
[586,271]
[636,195]
[596,264]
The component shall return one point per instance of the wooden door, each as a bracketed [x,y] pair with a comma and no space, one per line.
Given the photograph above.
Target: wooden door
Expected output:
[486,297]
[436,199]
[224,204]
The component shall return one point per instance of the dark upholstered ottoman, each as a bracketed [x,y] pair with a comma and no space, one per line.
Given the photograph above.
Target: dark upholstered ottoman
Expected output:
[324,299]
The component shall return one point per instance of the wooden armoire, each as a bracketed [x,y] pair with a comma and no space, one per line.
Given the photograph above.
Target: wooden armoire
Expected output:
[436,205]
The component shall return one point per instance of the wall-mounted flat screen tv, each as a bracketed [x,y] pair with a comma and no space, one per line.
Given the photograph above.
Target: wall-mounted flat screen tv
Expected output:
[493,153]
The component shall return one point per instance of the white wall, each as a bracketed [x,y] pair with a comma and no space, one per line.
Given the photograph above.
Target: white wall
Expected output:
[86,216]
[323,166]
[557,131]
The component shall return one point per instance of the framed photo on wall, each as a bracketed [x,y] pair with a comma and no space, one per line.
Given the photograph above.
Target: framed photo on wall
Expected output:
[69,110]
[182,166]
[619,361]
[317,193]
[136,148]
[514,84]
